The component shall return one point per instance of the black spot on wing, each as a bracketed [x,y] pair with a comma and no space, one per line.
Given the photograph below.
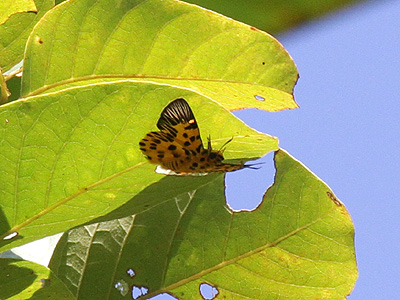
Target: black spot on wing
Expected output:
[177,112]
[192,125]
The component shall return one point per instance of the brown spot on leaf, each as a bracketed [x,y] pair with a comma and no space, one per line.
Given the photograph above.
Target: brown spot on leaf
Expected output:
[334,199]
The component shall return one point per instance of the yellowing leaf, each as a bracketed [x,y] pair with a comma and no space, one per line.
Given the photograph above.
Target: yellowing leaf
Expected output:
[10,7]
[14,34]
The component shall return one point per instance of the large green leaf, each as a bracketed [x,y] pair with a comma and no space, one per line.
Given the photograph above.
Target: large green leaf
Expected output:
[163,41]
[27,280]
[14,34]
[298,244]
[10,7]
[73,155]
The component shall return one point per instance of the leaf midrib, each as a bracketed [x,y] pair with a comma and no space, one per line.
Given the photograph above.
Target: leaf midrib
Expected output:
[232,261]
[149,77]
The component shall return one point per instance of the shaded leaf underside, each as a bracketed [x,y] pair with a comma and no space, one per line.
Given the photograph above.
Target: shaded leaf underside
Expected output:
[297,244]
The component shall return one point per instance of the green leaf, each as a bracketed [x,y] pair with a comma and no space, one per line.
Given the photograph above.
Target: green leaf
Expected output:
[298,244]
[27,280]
[14,34]
[73,155]
[273,16]
[10,7]
[163,41]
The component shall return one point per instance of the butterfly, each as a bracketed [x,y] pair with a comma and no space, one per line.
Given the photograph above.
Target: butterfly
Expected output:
[178,146]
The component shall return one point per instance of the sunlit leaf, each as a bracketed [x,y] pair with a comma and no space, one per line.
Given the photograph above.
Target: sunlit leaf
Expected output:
[71,156]
[161,41]
[27,280]
[10,7]
[14,33]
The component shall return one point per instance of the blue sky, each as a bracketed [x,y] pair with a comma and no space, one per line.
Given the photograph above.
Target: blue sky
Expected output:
[347,130]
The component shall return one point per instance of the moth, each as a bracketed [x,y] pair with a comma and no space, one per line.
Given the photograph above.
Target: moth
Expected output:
[178,146]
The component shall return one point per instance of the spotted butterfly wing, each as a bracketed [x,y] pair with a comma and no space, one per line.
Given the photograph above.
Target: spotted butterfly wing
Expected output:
[178,146]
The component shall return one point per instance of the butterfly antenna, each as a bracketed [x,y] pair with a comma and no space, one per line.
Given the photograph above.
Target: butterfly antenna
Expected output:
[252,166]
[222,149]
[209,148]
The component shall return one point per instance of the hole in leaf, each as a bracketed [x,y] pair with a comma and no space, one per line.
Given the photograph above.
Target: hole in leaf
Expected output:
[164,296]
[259,98]
[11,236]
[122,287]
[245,189]
[42,282]
[131,273]
[208,291]
[138,291]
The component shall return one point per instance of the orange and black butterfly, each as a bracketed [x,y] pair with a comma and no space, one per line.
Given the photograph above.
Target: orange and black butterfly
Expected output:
[178,146]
